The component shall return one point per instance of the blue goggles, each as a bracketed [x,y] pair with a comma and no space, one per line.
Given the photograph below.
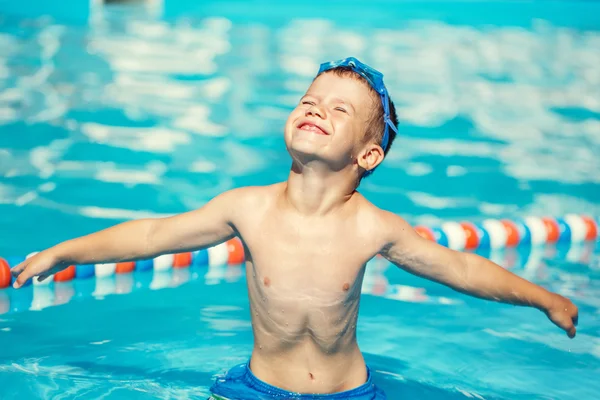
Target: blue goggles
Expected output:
[375,79]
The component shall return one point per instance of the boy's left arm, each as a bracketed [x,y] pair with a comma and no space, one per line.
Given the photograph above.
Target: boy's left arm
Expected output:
[469,273]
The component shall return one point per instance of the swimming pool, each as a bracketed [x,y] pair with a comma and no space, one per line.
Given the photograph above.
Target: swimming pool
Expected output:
[117,113]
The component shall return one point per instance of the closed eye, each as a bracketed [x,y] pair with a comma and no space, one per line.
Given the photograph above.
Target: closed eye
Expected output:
[341,109]
[311,103]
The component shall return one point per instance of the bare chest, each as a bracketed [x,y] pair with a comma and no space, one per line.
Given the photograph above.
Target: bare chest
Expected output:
[316,257]
[304,277]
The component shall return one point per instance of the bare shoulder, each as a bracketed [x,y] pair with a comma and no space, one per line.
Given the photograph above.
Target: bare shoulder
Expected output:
[249,199]
[254,195]
[380,224]
[370,213]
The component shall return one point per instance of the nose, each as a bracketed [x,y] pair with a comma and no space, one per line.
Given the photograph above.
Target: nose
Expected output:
[314,110]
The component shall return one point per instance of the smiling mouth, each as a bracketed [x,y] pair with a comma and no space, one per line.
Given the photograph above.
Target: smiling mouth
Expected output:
[307,126]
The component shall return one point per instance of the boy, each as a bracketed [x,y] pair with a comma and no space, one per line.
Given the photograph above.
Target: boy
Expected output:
[307,241]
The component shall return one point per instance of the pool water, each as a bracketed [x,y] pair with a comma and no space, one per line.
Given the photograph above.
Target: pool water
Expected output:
[120,112]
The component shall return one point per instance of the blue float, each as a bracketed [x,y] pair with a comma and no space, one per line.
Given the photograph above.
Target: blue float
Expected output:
[440,236]
[200,258]
[524,232]
[84,271]
[564,231]
[484,236]
[144,265]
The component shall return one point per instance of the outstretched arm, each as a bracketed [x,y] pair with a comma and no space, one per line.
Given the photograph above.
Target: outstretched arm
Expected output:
[470,273]
[144,238]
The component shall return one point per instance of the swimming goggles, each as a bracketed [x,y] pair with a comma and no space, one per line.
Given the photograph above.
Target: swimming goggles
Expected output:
[375,79]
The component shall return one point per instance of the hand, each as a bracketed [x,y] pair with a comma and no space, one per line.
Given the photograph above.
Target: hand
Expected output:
[563,313]
[42,265]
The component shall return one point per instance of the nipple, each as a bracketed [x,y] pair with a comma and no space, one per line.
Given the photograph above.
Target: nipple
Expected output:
[267,281]
[346,287]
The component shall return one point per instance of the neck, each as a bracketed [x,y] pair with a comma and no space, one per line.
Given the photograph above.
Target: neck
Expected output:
[318,191]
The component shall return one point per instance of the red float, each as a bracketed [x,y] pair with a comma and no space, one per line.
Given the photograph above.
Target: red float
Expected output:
[472,240]
[512,233]
[65,275]
[592,229]
[425,232]
[552,229]
[125,267]
[236,251]
[4,274]
[182,260]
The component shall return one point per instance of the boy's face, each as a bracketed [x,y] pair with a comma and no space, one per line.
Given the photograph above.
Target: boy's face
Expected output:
[330,122]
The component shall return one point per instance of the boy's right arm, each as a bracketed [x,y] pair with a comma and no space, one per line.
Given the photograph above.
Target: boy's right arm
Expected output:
[140,239]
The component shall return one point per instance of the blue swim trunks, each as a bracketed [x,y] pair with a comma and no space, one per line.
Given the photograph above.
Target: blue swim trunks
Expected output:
[241,384]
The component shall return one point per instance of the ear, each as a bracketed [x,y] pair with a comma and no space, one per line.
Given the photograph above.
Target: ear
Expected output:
[370,157]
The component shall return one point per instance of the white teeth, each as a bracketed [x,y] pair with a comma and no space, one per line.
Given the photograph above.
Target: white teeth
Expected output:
[312,128]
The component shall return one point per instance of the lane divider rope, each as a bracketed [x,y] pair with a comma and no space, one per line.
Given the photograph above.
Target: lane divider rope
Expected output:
[490,234]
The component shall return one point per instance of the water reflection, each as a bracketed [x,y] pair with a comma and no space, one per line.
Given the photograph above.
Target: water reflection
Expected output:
[213,95]
[208,97]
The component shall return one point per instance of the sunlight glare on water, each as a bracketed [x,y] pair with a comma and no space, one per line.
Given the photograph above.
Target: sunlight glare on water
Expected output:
[145,111]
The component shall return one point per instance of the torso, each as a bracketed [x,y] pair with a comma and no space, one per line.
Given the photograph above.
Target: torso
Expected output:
[304,279]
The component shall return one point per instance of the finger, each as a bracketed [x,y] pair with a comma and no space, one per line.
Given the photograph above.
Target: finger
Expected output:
[575,319]
[23,277]
[567,326]
[16,270]
[18,282]
[43,277]
[563,322]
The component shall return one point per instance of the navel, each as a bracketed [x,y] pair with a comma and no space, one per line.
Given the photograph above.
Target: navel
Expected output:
[311,376]
[267,281]
[346,287]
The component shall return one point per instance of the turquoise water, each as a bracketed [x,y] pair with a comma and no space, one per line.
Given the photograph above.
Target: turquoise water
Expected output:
[109,114]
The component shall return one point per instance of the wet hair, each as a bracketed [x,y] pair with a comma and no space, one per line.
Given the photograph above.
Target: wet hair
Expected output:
[375,124]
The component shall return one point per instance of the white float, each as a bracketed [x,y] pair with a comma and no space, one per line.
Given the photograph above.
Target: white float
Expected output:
[539,234]
[577,226]
[497,232]
[164,262]
[104,270]
[457,237]
[218,255]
